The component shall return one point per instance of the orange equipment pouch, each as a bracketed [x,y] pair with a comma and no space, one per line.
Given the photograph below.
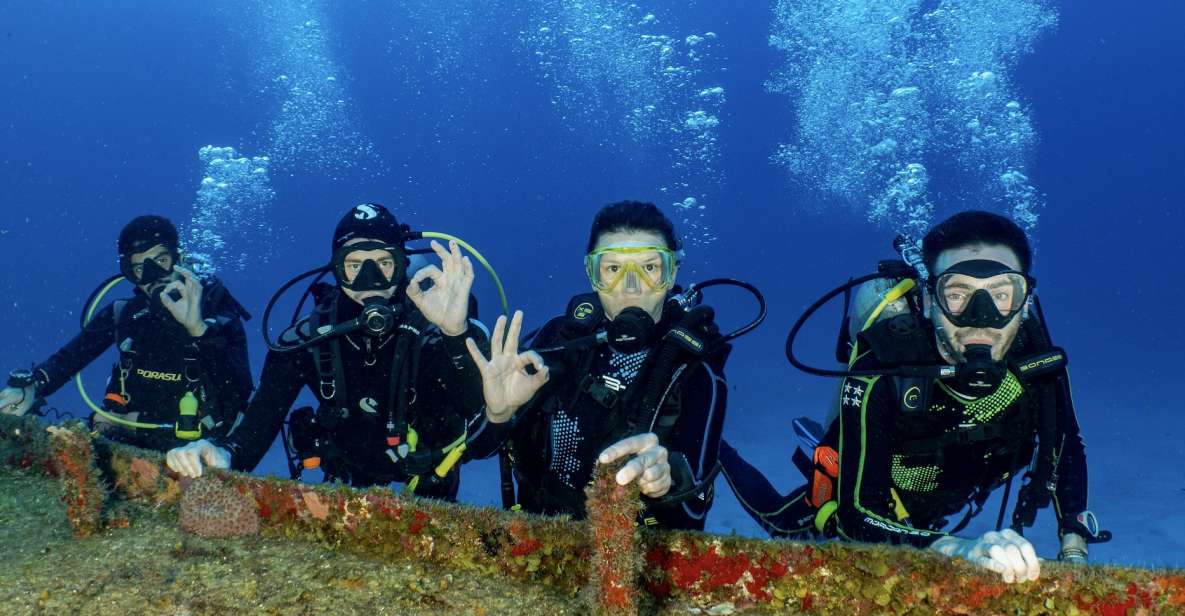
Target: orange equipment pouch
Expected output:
[825,475]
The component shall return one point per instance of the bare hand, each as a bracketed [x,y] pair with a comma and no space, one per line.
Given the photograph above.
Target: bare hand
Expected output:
[187,310]
[649,467]
[446,304]
[504,378]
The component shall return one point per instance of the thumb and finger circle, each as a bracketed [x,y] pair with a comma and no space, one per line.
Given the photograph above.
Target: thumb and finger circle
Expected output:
[187,276]
[176,285]
[427,272]
[533,359]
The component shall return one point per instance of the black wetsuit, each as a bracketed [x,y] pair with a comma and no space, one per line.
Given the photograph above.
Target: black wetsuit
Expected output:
[555,439]
[159,362]
[443,397]
[939,462]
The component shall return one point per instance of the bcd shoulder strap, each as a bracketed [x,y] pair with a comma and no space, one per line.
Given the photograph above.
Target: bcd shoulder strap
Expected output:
[328,362]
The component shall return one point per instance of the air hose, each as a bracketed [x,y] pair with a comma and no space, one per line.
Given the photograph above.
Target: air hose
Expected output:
[88,314]
[480,259]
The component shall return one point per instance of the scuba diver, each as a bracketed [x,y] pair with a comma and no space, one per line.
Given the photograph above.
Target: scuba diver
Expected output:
[635,369]
[953,387]
[385,358]
[182,372]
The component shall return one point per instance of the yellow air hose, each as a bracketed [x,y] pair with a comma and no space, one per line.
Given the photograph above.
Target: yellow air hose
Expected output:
[480,259]
[892,295]
[90,312]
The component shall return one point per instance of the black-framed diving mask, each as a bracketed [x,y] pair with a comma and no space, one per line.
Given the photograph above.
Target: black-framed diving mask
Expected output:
[151,270]
[981,293]
[367,274]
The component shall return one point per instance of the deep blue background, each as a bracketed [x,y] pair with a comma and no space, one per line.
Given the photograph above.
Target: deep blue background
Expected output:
[103,110]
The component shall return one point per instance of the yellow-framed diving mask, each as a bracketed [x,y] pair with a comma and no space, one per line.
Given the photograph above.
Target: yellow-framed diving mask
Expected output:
[640,266]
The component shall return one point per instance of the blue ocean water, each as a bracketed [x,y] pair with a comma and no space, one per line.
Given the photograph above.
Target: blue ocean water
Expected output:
[790,140]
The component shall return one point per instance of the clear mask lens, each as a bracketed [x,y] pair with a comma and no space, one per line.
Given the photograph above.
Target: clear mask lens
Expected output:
[1006,292]
[632,269]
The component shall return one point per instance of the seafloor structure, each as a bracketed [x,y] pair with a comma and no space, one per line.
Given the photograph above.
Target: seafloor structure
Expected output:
[97,526]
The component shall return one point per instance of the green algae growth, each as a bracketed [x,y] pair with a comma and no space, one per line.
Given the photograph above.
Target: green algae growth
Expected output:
[151,567]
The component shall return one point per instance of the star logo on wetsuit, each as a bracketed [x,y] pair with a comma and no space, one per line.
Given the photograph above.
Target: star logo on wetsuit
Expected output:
[851,394]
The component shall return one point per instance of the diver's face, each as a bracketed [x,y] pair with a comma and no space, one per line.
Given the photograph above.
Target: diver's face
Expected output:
[645,296]
[352,265]
[955,339]
[163,258]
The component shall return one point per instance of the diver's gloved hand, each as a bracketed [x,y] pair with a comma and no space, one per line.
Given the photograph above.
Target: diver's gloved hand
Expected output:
[188,460]
[446,303]
[505,382]
[187,310]
[649,466]
[17,400]
[1005,552]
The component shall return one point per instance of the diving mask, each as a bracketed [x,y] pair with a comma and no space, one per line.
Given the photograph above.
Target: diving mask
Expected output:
[981,293]
[153,275]
[639,267]
[367,274]
[151,270]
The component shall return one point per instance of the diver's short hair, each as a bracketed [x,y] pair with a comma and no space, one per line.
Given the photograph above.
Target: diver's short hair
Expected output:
[976,227]
[634,215]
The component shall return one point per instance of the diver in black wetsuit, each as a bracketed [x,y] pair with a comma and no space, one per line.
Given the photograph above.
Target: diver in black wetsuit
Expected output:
[572,401]
[180,340]
[396,391]
[905,454]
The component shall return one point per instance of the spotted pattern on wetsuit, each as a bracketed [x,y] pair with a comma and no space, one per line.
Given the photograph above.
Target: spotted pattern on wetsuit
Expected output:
[914,478]
[980,411]
[986,408]
[565,440]
[625,366]
[566,435]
